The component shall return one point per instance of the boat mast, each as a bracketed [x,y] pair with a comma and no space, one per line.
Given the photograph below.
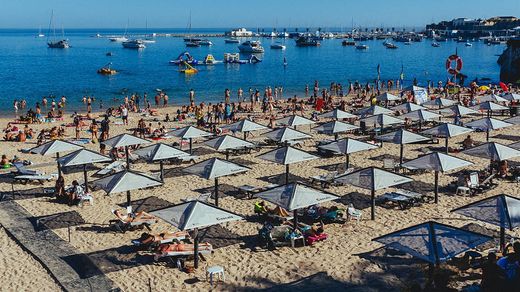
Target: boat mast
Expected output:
[50,24]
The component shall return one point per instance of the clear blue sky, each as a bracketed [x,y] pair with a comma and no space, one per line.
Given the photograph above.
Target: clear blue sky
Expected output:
[236,13]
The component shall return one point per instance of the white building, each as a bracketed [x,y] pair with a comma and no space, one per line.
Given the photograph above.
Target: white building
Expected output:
[241,32]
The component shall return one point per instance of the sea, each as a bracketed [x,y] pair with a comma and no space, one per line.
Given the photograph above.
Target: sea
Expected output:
[30,70]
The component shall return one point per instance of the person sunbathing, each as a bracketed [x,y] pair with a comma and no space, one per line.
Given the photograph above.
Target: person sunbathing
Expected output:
[262,208]
[134,217]
[468,142]
[148,239]
[173,247]
[4,163]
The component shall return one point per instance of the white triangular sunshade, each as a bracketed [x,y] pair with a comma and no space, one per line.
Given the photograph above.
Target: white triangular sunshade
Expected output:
[511,96]
[421,115]
[514,120]
[159,151]
[244,126]
[214,167]
[382,120]
[500,210]
[194,214]
[124,140]
[432,241]
[286,134]
[295,196]
[402,137]
[490,106]
[459,110]
[437,161]
[348,146]
[337,114]
[447,130]
[387,97]
[82,157]
[487,124]
[491,97]
[442,102]
[373,110]
[126,181]
[189,132]
[407,107]
[335,127]
[373,178]
[287,155]
[294,120]
[227,142]
[515,145]
[494,151]
[55,146]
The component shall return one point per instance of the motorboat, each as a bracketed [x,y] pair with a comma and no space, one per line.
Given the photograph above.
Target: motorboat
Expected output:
[134,44]
[192,40]
[251,47]
[106,70]
[119,39]
[435,44]
[205,43]
[362,47]
[278,46]
[347,43]
[40,34]
[231,41]
[192,44]
[63,44]
[391,46]
[306,41]
[468,44]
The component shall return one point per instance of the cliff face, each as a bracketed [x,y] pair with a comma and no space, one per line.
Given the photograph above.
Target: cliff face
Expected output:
[509,62]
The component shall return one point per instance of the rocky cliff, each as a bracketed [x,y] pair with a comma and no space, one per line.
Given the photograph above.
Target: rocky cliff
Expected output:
[509,62]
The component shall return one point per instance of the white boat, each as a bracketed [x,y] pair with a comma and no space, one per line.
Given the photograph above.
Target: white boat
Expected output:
[283,35]
[241,32]
[435,44]
[134,44]
[362,47]
[40,34]
[251,47]
[278,46]
[468,44]
[205,43]
[148,41]
[119,39]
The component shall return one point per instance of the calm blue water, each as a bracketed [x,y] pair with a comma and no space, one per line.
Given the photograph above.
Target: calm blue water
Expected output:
[30,70]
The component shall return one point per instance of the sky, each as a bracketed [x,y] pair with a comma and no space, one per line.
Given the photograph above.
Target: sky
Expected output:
[245,13]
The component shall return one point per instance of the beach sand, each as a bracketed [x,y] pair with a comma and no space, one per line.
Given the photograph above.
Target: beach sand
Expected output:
[340,256]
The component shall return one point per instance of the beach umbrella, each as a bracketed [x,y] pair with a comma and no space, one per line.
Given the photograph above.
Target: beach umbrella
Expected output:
[491,97]
[125,140]
[515,145]
[459,110]
[514,120]
[337,114]
[193,215]
[387,97]
[402,137]
[500,210]
[447,131]
[421,116]
[381,120]
[293,121]
[334,128]
[244,126]
[373,110]
[511,96]
[373,179]
[490,107]
[440,102]
[347,146]
[160,152]
[228,142]
[488,124]
[493,151]
[189,133]
[214,168]
[83,157]
[438,162]
[287,155]
[295,196]
[407,107]
[432,242]
[126,181]
[286,134]
[55,147]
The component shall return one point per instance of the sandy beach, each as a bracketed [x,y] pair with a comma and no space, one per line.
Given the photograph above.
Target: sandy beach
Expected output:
[344,256]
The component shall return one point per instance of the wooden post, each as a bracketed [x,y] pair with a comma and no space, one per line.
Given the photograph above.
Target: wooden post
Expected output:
[85,177]
[373,206]
[436,186]
[216,191]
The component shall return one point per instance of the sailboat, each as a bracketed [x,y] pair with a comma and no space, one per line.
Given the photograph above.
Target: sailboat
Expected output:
[148,39]
[191,39]
[55,44]
[121,39]
[40,34]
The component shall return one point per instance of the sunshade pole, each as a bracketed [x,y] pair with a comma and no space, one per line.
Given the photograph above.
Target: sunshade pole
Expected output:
[196,249]
[59,166]
[216,191]
[127,158]
[191,146]
[446,144]
[502,239]
[336,136]
[161,166]
[227,155]
[85,177]
[245,136]
[347,161]
[434,244]
[487,135]
[287,174]
[373,205]
[436,186]
[295,219]
[401,155]
[128,200]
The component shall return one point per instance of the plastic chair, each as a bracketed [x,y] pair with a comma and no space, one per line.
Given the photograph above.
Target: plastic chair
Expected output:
[216,271]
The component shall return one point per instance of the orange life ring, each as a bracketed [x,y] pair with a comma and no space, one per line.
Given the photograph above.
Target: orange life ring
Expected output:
[458,64]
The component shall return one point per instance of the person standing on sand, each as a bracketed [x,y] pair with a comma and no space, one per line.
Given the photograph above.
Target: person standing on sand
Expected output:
[306,90]
[240,94]
[227,95]
[192,96]
[165,100]
[124,115]
[157,99]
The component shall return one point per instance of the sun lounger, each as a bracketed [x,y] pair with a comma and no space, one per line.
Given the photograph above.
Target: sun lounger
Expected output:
[186,159]
[203,249]
[113,167]
[123,226]
[202,198]
[327,180]
[402,201]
